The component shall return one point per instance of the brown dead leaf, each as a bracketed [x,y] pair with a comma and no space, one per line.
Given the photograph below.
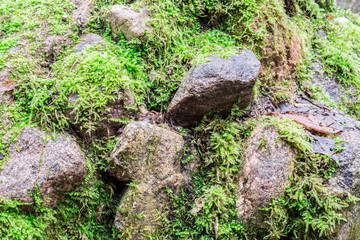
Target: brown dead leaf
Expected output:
[199,203]
[8,85]
[329,16]
[309,121]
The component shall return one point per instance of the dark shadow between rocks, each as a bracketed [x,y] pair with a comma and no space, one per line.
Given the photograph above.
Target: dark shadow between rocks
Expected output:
[118,187]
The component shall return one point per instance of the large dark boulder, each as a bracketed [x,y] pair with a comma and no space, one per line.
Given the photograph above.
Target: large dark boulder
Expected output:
[55,163]
[215,86]
[149,156]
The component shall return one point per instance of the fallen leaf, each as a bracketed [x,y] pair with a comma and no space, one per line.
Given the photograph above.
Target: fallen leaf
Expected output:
[199,203]
[8,85]
[309,121]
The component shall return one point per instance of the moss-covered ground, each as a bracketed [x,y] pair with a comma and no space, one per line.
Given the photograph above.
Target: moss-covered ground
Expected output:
[283,35]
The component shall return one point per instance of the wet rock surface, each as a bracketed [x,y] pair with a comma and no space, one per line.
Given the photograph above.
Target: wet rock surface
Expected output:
[267,165]
[87,40]
[214,86]
[346,179]
[55,163]
[149,156]
[328,115]
[132,24]
[331,118]
[331,85]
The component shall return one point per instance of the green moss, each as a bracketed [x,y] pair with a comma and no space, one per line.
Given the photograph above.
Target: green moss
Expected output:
[22,15]
[281,33]
[96,77]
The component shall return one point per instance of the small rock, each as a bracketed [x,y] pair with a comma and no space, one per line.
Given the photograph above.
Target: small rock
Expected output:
[152,75]
[321,33]
[149,156]
[214,86]
[265,173]
[87,39]
[44,64]
[64,18]
[132,24]
[341,20]
[4,75]
[56,165]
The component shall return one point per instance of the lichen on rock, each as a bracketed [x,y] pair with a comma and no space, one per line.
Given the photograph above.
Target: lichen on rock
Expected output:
[149,156]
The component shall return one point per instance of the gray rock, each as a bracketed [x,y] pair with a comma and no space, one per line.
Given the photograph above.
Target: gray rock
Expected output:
[214,86]
[82,13]
[132,24]
[353,5]
[4,76]
[149,156]
[87,40]
[341,20]
[55,163]
[321,33]
[265,174]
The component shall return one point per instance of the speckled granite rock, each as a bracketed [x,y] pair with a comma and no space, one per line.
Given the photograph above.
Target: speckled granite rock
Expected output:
[55,163]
